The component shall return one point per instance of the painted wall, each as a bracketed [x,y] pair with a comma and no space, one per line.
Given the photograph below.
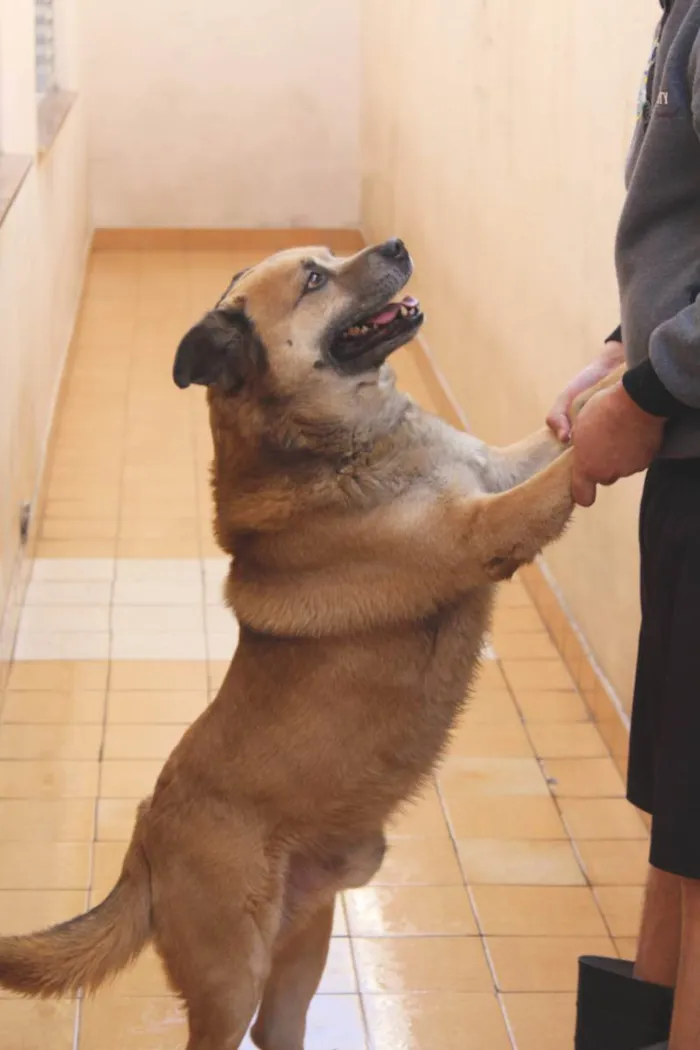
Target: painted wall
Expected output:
[43,243]
[223,112]
[494,138]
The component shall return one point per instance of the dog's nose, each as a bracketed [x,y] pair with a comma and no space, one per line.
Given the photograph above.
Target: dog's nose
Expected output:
[393,249]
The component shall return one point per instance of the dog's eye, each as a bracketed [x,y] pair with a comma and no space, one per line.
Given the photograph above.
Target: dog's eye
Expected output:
[315,280]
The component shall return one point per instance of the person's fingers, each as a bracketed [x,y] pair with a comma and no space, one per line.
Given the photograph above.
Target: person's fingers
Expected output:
[583,489]
[560,425]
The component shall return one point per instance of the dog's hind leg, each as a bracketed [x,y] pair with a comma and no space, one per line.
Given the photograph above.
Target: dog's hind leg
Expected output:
[215,924]
[221,972]
[297,968]
[301,948]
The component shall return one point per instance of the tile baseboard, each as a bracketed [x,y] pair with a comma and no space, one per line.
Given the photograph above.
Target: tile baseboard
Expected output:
[224,239]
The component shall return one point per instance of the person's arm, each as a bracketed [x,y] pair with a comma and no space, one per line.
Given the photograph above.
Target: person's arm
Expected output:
[668,383]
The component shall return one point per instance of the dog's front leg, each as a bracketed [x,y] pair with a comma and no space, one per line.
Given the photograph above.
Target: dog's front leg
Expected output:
[511,528]
[513,464]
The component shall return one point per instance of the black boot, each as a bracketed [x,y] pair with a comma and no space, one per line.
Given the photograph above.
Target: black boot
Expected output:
[616,1011]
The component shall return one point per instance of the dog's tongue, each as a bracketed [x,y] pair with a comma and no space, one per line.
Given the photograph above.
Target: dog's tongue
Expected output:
[388,314]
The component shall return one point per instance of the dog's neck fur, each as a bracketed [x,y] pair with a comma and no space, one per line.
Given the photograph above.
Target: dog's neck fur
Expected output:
[256,448]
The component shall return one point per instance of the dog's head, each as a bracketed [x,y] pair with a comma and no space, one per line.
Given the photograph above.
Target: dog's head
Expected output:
[301,321]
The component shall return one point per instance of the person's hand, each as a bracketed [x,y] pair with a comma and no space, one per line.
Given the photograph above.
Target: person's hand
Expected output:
[612,438]
[558,418]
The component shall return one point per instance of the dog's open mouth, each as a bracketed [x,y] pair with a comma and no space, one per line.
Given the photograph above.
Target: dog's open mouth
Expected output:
[369,341]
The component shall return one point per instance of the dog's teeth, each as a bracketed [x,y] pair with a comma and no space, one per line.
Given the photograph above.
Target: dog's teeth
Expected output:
[354,331]
[365,328]
[404,311]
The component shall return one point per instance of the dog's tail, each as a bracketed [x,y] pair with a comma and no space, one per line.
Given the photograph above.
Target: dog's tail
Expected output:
[87,950]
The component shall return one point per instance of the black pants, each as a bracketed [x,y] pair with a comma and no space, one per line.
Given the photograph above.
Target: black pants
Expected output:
[664,767]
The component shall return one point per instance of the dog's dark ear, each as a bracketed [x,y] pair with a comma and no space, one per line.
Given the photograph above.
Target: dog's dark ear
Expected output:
[222,349]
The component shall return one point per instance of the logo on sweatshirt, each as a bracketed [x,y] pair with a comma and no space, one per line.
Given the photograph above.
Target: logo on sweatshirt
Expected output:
[644,101]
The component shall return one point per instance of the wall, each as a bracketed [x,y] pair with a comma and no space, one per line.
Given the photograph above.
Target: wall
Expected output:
[223,113]
[494,137]
[43,243]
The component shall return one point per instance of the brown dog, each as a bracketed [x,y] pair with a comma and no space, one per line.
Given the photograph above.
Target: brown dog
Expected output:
[366,537]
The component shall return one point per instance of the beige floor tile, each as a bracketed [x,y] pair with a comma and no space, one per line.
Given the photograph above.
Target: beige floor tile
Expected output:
[112,1022]
[615,863]
[31,1025]
[490,677]
[107,865]
[524,646]
[400,911]
[48,780]
[56,820]
[542,964]
[59,676]
[129,778]
[575,740]
[427,1020]
[622,908]
[421,819]
[333,1021]
[168,547]
[23,911]
[78,529]
[421,964]
[217,671]
[464,778]
[420,862]
[545,911]
[584,777]
[504,817]
[542,1021]
[152,707]
[626,947]
[141,741]
[158,675]
[116,818]
[85,548]
[50,742]
[488,706]
[45,865]
[519,863]
[46,708]
[490,740]
[528,675]
[144,980]
[513,595]
[516,620]
[104,508]
[601,818]
[552,706]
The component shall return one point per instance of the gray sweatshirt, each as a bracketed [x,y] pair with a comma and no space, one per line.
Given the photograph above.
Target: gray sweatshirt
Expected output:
[658,242]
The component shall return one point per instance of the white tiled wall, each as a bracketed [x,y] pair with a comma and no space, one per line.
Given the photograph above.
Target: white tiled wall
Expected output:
[223,113]
[43,244]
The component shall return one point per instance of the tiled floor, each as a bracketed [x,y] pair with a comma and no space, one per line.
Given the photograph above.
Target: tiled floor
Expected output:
[520,856]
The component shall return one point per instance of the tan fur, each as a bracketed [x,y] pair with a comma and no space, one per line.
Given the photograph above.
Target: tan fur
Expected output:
[366,537]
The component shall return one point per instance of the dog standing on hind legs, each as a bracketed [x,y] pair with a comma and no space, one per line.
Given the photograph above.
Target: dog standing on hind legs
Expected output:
[366,538]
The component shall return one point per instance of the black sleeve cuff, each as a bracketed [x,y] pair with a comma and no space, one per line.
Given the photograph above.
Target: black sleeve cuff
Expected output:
[648,392]
[616,336]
